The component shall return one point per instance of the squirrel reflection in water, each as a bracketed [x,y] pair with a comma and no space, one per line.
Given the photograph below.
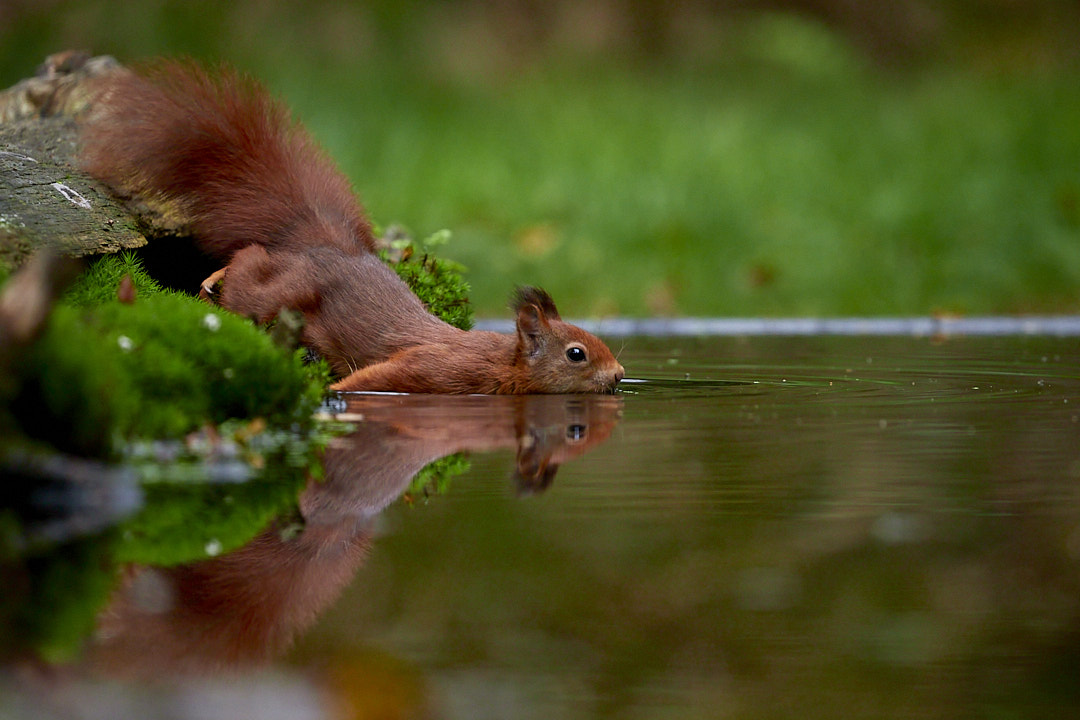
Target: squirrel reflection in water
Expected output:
[246,608]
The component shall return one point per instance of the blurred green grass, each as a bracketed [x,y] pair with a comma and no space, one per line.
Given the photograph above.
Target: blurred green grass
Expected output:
[772,169]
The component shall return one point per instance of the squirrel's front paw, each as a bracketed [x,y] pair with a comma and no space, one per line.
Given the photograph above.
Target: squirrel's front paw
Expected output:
[210,289]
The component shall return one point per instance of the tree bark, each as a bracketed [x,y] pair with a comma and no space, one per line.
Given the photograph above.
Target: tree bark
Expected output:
[45,200]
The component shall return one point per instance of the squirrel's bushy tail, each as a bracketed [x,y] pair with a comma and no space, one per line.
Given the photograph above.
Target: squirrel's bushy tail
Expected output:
[228,155]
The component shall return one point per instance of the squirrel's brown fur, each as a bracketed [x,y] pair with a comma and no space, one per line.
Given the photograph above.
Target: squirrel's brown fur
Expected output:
[259,195]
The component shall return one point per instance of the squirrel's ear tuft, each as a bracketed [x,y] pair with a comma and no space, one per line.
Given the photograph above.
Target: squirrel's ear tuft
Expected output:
[525,296]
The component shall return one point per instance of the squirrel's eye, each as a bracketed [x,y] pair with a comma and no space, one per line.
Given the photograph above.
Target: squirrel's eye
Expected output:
[575,354]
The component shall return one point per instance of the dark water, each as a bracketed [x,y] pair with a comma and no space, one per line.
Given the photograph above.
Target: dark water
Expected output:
[754,528]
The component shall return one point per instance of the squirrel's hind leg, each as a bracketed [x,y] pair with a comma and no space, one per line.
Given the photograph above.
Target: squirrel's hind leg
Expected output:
[260,283]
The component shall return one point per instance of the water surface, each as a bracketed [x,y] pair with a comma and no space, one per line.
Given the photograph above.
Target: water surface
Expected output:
[754,527]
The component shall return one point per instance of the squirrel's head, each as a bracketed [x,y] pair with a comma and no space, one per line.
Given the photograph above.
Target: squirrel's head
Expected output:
[560,357]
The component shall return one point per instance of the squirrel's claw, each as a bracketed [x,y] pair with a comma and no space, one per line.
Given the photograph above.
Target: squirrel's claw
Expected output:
[208,290]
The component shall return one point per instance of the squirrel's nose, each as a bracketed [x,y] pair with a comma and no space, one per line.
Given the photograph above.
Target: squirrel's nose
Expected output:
[619,374]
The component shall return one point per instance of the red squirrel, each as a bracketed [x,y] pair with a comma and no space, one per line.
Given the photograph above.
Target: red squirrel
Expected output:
[259,195]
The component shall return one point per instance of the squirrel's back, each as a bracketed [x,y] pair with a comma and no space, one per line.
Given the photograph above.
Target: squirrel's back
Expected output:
[225,154]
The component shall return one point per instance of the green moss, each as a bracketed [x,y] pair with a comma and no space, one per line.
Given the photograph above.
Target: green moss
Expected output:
[435,477]
[227,515]
[51,600]
[98,284]
[160,367]
[438,282]
[257,474]
[105,372]
[69,389]
[210,363]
